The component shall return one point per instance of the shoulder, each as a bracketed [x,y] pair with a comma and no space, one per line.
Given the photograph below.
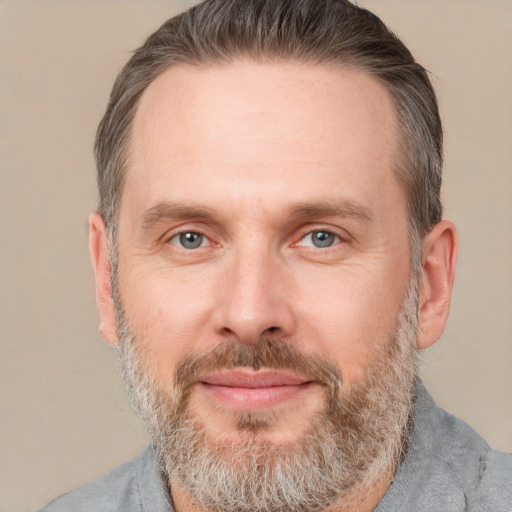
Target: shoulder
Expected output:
[103,494]
[478,468]
[125,489]
[483,475]
[494,488]
[448,467]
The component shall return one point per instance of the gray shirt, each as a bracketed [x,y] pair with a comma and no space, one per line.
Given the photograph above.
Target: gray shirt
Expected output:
[448,468]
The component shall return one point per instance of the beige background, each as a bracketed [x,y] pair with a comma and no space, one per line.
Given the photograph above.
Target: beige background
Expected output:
[64,418]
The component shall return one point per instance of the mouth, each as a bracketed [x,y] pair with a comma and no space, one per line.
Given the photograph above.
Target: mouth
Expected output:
[248,390]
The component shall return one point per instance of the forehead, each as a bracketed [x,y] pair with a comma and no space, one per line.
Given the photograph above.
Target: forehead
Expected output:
[273,125]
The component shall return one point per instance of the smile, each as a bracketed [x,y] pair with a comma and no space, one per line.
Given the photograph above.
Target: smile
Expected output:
[250,390]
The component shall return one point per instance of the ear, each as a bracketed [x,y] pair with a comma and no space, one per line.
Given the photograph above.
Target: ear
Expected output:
[436,283]
[98,250]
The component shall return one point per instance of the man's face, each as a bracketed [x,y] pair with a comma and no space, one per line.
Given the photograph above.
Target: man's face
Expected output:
[260,208]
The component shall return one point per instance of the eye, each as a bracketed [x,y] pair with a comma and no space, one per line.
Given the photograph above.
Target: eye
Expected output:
[189,240]
[319,239]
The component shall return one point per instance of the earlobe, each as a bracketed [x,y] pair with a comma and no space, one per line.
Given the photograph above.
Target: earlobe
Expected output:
[436,283]
[98,249]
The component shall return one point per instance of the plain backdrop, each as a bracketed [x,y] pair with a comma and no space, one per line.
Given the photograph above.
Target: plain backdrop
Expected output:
[64,418]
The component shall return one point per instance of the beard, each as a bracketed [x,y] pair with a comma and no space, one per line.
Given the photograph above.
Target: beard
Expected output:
[351,444]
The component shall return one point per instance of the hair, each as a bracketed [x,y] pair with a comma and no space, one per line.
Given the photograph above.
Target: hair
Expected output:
[331,32]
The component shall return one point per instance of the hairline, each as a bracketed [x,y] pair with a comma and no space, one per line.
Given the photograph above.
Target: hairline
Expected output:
[401,145]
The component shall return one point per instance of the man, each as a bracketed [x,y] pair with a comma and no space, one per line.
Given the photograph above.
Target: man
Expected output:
[270,254]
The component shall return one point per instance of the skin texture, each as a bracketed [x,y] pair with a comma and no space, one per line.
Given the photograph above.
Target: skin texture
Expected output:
[255,158]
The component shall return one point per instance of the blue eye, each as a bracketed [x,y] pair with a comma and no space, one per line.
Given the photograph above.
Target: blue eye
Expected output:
[320,239]
[189,240]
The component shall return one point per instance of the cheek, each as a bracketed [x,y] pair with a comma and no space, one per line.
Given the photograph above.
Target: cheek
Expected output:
[168,317]
[348,316]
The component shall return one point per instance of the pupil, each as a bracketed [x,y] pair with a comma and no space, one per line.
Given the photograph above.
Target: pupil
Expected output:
[191,240]
[323,239]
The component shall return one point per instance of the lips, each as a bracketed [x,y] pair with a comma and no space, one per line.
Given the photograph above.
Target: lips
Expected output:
[253,390]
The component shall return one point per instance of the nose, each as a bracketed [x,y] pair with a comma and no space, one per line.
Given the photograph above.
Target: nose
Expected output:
[254,299]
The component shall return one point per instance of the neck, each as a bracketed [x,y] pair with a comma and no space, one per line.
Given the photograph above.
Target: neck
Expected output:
[358,500]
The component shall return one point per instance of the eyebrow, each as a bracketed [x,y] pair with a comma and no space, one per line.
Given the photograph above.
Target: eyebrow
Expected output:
[165,211]
[168,211]
[331,208]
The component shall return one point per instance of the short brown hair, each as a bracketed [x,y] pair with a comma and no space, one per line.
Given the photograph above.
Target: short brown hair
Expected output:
[333,32]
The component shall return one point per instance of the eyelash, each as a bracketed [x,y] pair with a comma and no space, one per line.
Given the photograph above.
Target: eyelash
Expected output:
[337,239]
[177,236]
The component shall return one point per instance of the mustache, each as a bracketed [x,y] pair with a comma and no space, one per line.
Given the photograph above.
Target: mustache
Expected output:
[268,353]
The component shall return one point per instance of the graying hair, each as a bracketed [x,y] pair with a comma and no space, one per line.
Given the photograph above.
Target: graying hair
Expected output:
[333,32]
[359,437]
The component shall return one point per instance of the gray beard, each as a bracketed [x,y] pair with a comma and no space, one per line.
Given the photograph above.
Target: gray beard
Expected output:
[356,440]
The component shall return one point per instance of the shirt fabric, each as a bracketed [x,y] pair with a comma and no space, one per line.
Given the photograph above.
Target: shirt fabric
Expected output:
[448,467]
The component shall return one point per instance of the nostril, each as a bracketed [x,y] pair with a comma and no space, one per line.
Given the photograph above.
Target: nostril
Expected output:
[271,329]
